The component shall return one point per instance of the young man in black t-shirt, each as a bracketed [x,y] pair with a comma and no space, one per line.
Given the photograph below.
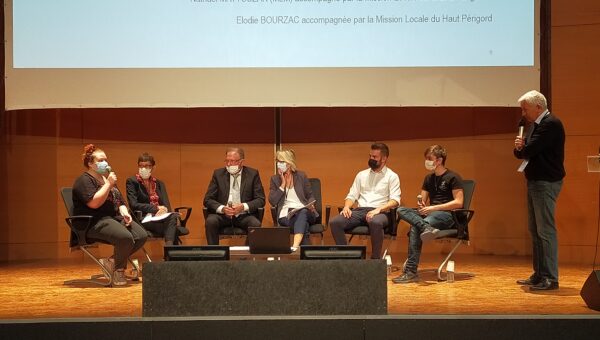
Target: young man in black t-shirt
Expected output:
[442,191]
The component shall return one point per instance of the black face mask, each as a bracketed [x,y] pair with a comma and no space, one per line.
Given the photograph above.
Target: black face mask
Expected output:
[373,164]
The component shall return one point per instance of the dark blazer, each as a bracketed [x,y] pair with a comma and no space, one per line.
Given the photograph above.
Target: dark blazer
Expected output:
[301,185]
[139,199]
[251,190]
[545,150]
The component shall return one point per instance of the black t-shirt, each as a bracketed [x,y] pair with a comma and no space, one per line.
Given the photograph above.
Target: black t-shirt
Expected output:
[440,187]
[84,188]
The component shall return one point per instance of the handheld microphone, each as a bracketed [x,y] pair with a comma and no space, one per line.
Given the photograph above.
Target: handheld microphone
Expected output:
[521,127]
[420,199]
[109,169]
[230,204]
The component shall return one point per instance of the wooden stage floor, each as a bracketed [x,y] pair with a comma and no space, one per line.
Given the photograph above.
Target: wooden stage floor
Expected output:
[34,290]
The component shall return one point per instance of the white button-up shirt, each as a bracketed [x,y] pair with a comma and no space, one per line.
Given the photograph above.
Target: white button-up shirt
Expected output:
[374,189]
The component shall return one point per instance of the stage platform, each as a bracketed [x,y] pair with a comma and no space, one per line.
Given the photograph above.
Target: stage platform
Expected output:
[33,295]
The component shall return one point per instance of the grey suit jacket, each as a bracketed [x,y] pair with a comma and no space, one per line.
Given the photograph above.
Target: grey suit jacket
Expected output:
[301,185]
[251,190]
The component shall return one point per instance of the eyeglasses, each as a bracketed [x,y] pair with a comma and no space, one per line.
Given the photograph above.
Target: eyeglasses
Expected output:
[233,161]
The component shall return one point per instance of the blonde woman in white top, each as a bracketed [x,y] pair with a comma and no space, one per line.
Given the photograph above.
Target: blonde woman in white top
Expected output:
[290,189]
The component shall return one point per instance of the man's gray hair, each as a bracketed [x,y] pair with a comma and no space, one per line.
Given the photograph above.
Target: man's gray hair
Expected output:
[534,98]
[237,150]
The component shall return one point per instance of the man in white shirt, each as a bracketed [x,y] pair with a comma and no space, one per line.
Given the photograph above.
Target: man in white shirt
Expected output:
[376,190]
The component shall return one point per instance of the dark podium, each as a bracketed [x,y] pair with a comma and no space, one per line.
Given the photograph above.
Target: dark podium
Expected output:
[226,288]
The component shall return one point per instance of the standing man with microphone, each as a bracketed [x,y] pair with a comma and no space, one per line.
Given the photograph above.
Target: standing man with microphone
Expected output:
[442,191]
[542,152]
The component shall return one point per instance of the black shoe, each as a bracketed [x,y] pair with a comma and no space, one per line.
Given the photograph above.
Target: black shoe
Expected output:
[406,278]
[531,281]
[545,284]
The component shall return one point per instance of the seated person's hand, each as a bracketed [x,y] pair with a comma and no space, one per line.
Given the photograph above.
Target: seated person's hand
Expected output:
[127,219]
[424,211]
[238,209]
[162,210]
[346,212]
[228,211]
[372,213]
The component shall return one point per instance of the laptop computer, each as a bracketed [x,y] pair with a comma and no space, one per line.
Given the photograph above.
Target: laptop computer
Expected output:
[269,240]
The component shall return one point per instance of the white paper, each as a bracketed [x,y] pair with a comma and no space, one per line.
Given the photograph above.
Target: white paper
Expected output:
[150,218]
[294,211]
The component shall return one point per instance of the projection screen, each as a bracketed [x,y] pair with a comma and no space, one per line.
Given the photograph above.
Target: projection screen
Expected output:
[212,53]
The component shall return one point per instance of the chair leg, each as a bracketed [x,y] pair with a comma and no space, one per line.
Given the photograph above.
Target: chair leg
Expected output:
[147,255]
[95,279]
[350,240]
[441,267]
[322,239]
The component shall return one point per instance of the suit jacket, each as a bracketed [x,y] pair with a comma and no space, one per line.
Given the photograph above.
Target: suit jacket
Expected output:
[139,199]
[251,190]
[545,150]
[301,185]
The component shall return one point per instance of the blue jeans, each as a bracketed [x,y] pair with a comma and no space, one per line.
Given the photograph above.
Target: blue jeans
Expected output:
[437,219]
[541,204]
[300,223]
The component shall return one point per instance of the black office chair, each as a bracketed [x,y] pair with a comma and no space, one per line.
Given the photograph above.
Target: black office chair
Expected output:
[184,214]
[79,226]
[390,232]
[318,227]
[459,233]
[234,232]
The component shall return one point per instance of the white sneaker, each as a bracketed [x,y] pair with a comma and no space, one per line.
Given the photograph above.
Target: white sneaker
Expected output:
[429,234]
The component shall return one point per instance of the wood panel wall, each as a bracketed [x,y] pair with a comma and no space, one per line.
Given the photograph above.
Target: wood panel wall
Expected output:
[40,152]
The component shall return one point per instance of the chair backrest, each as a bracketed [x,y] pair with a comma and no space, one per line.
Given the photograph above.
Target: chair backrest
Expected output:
[315,184]
[468,189]
[67,196]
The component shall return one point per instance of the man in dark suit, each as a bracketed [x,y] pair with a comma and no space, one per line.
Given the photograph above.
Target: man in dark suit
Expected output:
[542,151]
[233,197]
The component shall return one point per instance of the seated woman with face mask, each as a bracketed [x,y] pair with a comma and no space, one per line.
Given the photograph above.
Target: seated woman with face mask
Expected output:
[289,190]
[95,193]
[148,195]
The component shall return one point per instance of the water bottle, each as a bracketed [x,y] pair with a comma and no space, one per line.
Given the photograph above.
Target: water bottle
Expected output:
[450,272]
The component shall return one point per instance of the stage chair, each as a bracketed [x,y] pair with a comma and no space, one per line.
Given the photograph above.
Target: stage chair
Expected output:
[459,233]
[182,230]
[362,231]
[79,226]
[318,227]
[234,232]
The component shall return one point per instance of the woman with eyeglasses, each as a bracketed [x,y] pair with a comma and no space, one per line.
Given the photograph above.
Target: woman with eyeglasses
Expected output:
[148,195]
[290,191]
[95,193]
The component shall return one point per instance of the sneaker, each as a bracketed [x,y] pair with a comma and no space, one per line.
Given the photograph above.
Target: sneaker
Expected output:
[119,278]
[429,234]
[406,278]
[108,265]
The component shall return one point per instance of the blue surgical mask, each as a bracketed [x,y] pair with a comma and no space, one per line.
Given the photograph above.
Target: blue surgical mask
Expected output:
[102,167]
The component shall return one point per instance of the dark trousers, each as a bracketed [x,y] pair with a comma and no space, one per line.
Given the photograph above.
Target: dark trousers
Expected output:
[541,205]
[166,228]
[126,240]
[340,224]
[299,223]
[216,221]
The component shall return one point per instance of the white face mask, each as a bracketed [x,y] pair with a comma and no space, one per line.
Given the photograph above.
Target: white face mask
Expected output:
[282,166]
[430,165]
[233,169]
[145,173]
